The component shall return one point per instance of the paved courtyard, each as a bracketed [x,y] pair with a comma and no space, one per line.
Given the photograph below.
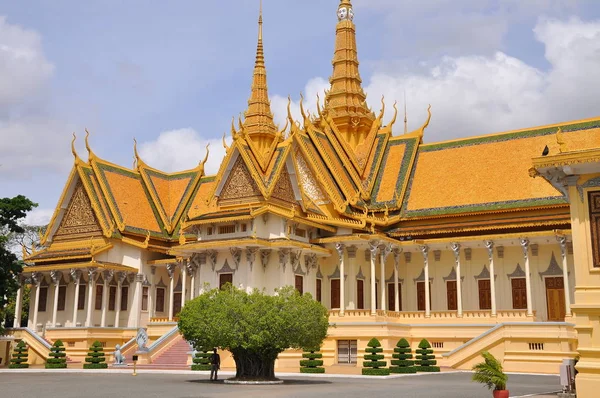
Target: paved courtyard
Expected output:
[148,385]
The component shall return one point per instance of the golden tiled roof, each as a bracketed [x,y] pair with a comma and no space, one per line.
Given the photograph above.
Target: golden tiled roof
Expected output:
[490,172]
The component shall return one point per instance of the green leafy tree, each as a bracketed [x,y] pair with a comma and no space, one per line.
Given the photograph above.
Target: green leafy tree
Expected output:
[12,210]
[373,364]
[202,359]
[254,327]
[57,359]
[19,357]
[313,362]
[425,359]
[95,358]
[403,362]
[490,373]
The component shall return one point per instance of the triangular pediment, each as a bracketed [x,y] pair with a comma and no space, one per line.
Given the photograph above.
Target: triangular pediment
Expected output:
[79,220]
[284,190]
[239,184]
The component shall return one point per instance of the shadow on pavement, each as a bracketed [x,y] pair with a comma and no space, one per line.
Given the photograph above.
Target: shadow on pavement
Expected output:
[290,382]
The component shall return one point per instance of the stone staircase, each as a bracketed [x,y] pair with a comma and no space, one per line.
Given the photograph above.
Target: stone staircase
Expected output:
[174,357]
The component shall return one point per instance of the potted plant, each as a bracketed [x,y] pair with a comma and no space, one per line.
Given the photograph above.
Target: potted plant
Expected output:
[489,372]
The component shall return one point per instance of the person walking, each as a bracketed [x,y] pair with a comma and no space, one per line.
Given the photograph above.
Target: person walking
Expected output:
[215,365]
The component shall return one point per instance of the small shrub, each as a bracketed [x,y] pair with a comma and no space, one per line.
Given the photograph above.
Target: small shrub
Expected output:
[373,364]
[19,356]
[402,362]
[201,359]
[312,362]
[57,358]
[425,359]
[95,358]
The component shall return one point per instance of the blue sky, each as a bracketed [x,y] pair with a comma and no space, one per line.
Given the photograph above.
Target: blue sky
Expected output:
[172,74]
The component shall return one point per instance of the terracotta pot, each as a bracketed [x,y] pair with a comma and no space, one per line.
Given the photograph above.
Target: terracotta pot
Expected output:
[501,394]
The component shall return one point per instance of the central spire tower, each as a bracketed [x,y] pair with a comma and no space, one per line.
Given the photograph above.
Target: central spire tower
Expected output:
[258,123]
[346,100]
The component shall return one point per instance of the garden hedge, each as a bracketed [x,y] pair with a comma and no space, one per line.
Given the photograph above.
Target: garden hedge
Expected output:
[425,359]
[373,364]
[19,356]
[402,362]
[313,362]
[57,358]
[201,359]
[95,358]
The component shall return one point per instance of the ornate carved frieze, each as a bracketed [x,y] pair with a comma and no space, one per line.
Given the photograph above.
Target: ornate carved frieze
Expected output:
[79,219]
[310,261]
[284,258]
[211,255]
[284,190]
[226,269]
[553,268]
[240,183]
[309,184]
[452,276]
[251,256]
[236,255]
[517,273]
[264,258]
[484,274]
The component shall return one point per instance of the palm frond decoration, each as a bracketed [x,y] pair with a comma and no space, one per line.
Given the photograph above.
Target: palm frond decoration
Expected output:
[490,373]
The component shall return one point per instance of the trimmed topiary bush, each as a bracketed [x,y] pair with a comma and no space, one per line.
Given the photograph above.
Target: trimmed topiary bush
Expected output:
[19,356]
[95,358]
[403,362]
[57,359]
[313,362]
[201,359]
[425,359]
[373,364]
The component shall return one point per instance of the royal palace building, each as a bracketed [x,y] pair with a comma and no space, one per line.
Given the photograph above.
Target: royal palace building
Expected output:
[482,243]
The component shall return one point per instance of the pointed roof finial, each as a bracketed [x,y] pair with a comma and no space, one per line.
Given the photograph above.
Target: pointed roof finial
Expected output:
[258,116]
[405,115]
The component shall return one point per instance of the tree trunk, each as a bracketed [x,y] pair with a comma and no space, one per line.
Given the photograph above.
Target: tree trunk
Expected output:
[251,365]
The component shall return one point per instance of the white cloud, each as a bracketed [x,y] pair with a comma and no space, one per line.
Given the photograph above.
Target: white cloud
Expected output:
[182,149]
[38,217]
[30,137]
[473,94]
[279,104]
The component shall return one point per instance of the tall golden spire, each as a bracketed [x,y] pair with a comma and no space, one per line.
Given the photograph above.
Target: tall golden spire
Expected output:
[346,100]
[258,116]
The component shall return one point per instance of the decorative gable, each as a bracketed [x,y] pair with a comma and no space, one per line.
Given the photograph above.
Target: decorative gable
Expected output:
[284,190]
[239,184]
[79,220]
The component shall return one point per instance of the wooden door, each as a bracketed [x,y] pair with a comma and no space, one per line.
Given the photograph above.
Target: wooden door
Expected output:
[485,294]
[176,303]
[318,287]
[360,294]
[451,296]
[391,297]
[335,293]
[519,293]
[555,298]
[224,279]
[420,296]
[300,284]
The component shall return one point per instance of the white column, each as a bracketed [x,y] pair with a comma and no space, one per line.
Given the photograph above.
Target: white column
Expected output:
[171,272]
[382,284]
[340,249]
[192,274]
[37,279]
[373,247]
[120,279]
[183,281]
[18,304]
[525,246]
[562,240]
[351,256]
[425,252]
[151,293]
[107,275]
[397,253]
[56,277]
[459,307]
[490,248]
[76,277]
[137,307]
[90,298]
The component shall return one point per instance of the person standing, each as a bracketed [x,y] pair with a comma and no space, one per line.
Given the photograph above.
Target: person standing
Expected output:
[215,365]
